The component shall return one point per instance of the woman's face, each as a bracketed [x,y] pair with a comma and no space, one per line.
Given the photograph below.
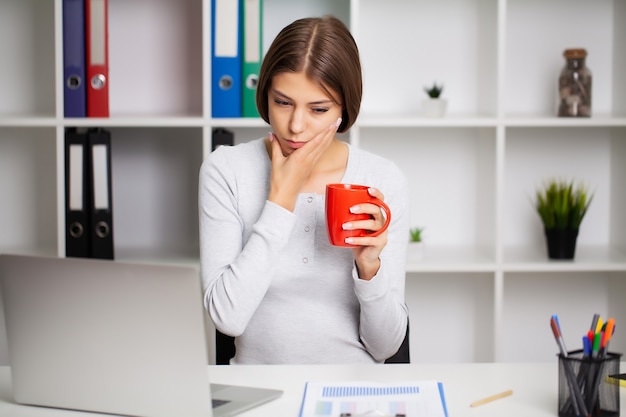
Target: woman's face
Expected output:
[299,109]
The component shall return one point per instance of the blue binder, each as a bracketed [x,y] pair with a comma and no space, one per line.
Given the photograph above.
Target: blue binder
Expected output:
[74,92]
[226,87]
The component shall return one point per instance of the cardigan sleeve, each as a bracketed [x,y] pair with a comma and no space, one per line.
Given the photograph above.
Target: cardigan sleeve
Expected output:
[235,274]
[384,314]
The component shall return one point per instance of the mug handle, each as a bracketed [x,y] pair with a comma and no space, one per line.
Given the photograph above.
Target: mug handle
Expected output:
[385,207]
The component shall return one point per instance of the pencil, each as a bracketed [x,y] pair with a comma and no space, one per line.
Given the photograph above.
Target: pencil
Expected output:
[617,379]
[492,398]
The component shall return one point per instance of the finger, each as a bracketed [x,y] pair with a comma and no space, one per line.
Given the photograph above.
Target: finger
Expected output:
[277,153]
[379,241]
[376,193]
[374,210]
[370,225]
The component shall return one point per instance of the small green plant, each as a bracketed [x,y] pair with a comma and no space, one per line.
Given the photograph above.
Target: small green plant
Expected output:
[416,234]
[434,91]
[561,205]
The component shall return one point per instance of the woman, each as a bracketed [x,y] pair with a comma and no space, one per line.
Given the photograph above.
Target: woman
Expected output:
[270,276]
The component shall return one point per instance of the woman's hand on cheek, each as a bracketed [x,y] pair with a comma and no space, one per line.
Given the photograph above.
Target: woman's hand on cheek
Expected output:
[290,172]
[283,186]
[310,153]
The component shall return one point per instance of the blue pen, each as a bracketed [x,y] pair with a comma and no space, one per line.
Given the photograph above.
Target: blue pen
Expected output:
[586,346]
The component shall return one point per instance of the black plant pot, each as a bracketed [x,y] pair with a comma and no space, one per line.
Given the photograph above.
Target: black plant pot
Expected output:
[561,243]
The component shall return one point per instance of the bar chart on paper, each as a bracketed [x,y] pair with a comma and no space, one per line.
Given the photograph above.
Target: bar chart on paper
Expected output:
[406,398]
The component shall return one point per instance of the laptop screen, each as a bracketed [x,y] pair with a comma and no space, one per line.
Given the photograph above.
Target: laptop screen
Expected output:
[106,336]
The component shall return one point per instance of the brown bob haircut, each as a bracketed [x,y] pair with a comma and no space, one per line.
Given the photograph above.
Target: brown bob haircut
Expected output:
[324,49]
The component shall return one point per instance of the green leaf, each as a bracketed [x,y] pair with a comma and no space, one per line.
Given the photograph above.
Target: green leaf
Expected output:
[561,204]
[434,91]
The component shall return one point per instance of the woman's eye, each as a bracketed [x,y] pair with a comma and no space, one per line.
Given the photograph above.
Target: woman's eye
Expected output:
[320,109]
[281,102]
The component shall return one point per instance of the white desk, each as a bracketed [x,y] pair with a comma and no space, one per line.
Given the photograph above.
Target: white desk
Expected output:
[534,387]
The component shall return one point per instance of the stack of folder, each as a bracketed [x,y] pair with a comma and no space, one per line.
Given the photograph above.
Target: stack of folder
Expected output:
[236,52]
[85,58]
[222,137]
[88,194]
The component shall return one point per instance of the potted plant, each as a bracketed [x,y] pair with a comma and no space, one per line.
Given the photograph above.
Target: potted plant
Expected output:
[434,105]
[562,206]
[416,234]
[417,244]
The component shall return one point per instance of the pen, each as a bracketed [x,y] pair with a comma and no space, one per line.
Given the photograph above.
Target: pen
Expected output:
[590,336]
[606,338]
[492,398]
[556,329]
[597,338]
[599,325]
[578,402]
[594,323]
[607,334]
[586,346]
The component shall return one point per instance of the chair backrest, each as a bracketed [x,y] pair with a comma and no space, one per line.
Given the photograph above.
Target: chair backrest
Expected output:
[403,354]
[225,349]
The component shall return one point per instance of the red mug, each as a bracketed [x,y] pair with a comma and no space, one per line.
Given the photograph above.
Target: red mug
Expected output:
[339,199]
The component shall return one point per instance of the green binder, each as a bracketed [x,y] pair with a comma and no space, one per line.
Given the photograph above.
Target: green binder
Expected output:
[252,16]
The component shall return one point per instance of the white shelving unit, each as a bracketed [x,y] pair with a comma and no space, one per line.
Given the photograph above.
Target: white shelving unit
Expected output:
[485,289]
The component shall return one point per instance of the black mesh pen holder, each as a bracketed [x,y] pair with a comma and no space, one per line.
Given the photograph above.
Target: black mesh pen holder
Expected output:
[584,389]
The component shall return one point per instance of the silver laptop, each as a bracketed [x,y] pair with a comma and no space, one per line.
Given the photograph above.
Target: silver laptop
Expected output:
[112,337]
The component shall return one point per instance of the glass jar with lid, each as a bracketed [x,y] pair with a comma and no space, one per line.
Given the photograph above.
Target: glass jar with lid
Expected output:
[575,85]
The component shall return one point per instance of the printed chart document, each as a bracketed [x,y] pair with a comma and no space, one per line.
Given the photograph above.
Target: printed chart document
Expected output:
[351,398]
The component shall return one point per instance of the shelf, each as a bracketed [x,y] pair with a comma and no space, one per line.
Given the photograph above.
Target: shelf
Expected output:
[446,259]
[529,299]
[587,258]
[461,303]
[364,121]
[588,156]
[28,51]
[28,213]
[134,121]
[535,43]
[394,121]
[155,190]
[27,121]
[155,58]
[241,122]
[601,120]
[402,55]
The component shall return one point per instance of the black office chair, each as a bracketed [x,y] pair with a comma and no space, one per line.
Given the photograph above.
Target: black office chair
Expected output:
[225,349]
[403,354]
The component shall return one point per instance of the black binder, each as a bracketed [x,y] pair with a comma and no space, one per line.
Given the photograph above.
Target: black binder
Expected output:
[101,196]
[76,194]
[222,137]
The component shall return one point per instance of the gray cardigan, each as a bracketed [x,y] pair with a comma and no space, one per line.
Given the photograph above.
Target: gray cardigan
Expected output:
[271,278]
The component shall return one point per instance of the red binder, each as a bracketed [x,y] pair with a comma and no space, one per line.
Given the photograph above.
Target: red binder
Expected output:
[96,34]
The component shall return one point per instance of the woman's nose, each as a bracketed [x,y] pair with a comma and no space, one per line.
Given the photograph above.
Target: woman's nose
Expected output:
[297,123]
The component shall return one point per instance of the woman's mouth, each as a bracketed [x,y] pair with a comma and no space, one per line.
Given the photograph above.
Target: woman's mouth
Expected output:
[295,145]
